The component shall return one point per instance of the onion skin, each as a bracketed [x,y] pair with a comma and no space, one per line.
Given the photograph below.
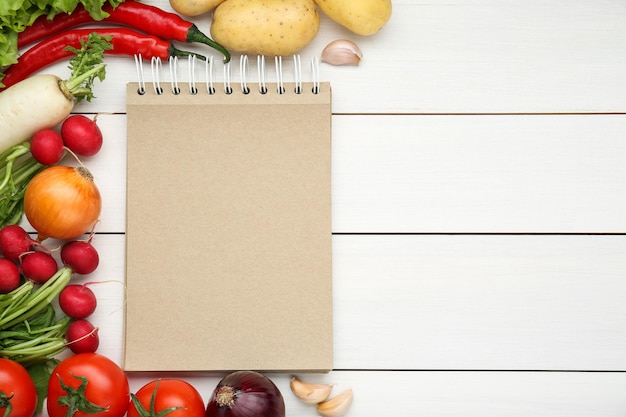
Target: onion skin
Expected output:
[246,394]
[62,202]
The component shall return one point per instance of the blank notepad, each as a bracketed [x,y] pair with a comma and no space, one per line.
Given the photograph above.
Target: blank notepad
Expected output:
[228,237]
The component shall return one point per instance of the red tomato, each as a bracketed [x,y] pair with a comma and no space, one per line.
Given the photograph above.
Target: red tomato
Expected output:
[169,393]
[91,376]
[17,390]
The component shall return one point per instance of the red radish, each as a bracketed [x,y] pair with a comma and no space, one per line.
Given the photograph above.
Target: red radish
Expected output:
[82,337]
[9,276]
[81,135]
[14,241]
[77,301]
[80,256]
[38,266]
[46,146]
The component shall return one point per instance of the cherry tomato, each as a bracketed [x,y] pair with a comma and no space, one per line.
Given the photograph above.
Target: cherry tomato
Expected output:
[92,377]
[17,390]
[169,393]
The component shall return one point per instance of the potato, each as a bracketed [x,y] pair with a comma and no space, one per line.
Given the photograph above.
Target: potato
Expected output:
[363,17]
[194,7]
[265,27]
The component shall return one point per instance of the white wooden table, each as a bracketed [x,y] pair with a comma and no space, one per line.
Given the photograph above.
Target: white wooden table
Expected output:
[479,211]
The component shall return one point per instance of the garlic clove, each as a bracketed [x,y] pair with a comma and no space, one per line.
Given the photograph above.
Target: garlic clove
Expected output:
[336,406]
[342,52]
[310,393]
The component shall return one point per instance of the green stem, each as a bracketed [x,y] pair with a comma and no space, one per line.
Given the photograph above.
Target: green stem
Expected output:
[15,297]
[35,339]
[17,168]
[76,399]
[26,171]
[43,351]
[195,35]
[50,289]
[5,402]
[18,151]
[73,84]
[49,332]
[31,347]
[151,412]
[38,300]
[4,155]
[173,51]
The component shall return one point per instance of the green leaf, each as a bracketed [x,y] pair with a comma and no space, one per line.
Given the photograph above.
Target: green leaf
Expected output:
[86,65]
[16,15]
[40,372]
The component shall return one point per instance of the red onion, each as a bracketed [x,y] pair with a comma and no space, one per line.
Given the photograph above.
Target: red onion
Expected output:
[246,394]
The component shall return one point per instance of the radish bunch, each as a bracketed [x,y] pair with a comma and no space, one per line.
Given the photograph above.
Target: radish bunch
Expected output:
[78,301]
[78,134]
[26,265]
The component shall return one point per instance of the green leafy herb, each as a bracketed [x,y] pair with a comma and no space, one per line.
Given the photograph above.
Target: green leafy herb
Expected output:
[86,65]
[16,15]
[35,341]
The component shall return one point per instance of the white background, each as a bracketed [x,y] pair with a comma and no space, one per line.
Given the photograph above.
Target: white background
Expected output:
[478,209]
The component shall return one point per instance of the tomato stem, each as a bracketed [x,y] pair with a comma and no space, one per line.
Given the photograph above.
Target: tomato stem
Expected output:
[5,402]
[141,410]
[76,399]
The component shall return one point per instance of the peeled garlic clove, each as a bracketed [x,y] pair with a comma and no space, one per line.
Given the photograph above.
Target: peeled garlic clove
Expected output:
[336,406]
[310,393]
[342,52]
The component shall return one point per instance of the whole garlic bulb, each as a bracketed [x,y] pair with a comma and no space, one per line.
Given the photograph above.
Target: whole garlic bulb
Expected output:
[342,52]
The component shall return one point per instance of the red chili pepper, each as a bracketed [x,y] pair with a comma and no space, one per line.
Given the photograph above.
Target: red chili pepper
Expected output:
[143,17]
[124,42]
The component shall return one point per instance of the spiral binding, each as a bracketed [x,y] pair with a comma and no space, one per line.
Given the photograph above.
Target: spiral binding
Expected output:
[156,70]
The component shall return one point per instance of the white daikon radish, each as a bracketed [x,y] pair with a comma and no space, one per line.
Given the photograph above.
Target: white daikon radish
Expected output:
[43,101]
[36,103]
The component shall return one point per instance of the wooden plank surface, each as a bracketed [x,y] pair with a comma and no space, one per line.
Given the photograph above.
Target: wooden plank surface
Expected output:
[449,174]
[461,302]
[479,174]
[453,394]
[456,57]
[478,200]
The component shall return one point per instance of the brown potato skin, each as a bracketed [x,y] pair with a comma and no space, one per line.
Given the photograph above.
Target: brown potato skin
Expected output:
[265,27]
[194,7]
[363,17]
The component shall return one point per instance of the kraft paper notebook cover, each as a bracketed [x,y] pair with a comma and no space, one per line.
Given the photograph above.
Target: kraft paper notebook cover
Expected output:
[228,238]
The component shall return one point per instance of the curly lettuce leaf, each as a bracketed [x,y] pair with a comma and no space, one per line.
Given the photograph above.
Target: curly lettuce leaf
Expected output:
[16,15]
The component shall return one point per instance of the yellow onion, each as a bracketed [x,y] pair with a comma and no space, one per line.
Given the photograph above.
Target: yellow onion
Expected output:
[62,202]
